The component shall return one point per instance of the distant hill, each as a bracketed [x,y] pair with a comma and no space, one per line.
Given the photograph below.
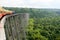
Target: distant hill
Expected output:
[36,13]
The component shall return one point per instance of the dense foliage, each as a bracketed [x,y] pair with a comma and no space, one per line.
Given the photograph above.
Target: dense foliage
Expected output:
[44,29]
[44,24]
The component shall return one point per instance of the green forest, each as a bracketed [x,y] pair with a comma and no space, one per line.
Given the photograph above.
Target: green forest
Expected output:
[44,24]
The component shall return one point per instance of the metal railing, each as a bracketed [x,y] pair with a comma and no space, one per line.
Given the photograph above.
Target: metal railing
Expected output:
[15,26]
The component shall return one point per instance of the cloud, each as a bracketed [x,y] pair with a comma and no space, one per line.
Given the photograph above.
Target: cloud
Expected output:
[41,0]
[11,2]
[38,3]
[31,3]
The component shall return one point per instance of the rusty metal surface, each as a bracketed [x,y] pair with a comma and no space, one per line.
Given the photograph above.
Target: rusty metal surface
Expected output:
[15,26]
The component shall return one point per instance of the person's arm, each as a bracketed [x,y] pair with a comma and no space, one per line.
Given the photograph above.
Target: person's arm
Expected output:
[2,32]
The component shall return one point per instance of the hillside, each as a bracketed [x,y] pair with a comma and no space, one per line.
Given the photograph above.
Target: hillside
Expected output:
[44,24]
[37,13]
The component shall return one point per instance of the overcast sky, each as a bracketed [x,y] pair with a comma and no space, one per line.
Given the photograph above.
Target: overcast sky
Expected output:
[31,3]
